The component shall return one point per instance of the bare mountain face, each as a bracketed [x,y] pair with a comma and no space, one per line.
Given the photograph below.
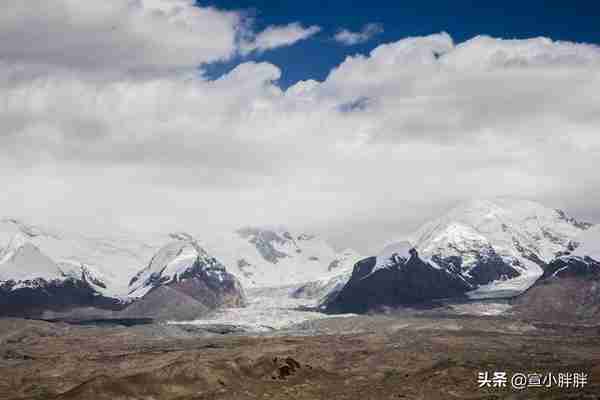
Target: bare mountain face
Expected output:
[480,249]
[397,277]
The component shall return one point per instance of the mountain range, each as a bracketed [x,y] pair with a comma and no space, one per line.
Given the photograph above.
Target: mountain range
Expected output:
[481,249]
[45,272]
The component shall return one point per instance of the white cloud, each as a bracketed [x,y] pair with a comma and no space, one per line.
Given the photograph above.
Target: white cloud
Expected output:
[278,36]
[350,38]
[108,35]
[385,141]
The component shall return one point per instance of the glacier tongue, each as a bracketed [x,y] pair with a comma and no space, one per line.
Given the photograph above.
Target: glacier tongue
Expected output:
[268,309]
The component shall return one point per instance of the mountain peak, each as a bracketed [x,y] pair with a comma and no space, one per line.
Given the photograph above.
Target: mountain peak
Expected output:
[173,262]
[521,234]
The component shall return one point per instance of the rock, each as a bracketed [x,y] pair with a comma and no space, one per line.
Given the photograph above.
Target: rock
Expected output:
[406,281]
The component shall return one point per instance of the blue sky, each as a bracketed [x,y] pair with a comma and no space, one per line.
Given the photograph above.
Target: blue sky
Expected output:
[577,21]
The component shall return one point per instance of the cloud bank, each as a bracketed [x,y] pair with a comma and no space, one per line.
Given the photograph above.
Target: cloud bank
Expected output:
[387,140]
[113,35]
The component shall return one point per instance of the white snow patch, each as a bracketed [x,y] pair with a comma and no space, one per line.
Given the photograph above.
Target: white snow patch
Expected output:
[115,258]
[509,287]
[302,257]
[590,244]
[23,261]
[386,257]
[482,308]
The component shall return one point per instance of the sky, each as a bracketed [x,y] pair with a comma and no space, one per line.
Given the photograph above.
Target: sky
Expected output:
[575,21]
[357,122]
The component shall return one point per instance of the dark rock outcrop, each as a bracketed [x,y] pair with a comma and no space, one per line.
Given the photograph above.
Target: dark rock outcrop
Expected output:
[407,281]
[572,266]
[488,267]
[265,241]
[56,296]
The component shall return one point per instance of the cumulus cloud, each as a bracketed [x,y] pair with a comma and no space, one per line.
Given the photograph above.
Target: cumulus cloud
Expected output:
[278,36]
[350,38]
[110,35]
[387,140]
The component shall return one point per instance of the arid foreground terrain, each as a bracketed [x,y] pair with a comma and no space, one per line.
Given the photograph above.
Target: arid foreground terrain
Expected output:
[367,357]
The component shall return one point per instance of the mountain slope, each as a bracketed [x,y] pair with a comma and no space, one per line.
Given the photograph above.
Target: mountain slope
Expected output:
[266,256]
[112,258]
[276,256]
[582,262]
[339,273]
[569,290]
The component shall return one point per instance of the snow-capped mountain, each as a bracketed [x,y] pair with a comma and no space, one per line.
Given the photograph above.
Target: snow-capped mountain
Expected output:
[31,282]
[272,256]
[482,249]
[111,260]
[568,290]
[183,281]
[173,263]
[180,260]
[583,261]
[22,264]
[61,272]
[276,256]
[499,245]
